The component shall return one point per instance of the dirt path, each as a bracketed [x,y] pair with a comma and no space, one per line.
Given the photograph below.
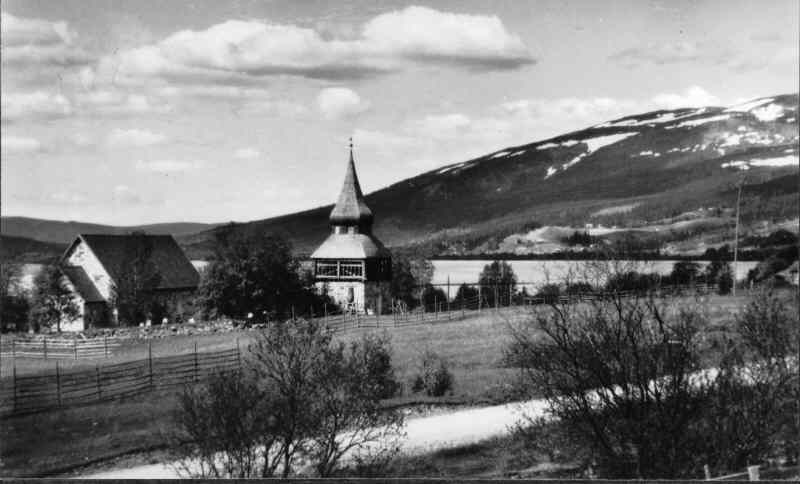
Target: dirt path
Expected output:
[423,434]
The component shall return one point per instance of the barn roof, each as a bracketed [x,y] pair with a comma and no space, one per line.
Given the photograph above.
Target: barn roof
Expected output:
[351,246]
[167,259]
[82,283]
[350,208]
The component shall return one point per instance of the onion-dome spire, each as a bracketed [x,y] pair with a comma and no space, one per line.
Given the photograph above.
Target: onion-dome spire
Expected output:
[351,209]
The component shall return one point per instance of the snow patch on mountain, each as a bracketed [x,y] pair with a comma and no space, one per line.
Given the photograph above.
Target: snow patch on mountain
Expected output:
[746,107]
[770,112]
[550,172]
[700,121]
[779,161]
[499,155]
[651,121]
[547,146]
[598,142]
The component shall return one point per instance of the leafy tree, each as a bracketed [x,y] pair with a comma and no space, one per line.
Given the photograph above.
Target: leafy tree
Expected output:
[684,272]
[497,277]
[434,376]
[431,296]
[578,288]
[549,293]
[52,302]
[255,272]
[409,276]
[719,273]
[14,306]
[133,294]
[467,295]
[631,281]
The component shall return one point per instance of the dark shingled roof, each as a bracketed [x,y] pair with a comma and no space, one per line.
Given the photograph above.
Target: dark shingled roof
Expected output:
[351,209]
[83,283]
[167,258]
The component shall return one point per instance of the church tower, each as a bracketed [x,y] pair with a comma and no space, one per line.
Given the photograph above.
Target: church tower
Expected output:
[353,266]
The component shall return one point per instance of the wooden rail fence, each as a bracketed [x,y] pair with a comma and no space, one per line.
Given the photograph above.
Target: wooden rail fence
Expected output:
[63,389]
[58,348]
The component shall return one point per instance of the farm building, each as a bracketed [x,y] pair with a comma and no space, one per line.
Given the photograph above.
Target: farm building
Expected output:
[94,264]
[352,265]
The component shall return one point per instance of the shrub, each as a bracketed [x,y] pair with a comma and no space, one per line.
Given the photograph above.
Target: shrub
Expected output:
[301,396]
[434,376]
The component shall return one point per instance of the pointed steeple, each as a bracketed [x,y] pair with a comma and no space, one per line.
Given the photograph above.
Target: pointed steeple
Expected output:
[351,209]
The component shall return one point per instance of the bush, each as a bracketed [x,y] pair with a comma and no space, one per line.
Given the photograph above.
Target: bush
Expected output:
[659,415]
[434,376]
[301,397]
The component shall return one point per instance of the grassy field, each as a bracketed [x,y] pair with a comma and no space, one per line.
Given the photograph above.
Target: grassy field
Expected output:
[49,442]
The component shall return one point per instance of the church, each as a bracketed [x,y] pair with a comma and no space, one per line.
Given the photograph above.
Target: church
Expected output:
[352,266]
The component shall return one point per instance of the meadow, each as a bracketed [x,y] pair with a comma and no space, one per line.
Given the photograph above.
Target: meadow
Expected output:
[52,443]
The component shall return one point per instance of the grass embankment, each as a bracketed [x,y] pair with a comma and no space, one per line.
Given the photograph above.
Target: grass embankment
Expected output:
[40,444]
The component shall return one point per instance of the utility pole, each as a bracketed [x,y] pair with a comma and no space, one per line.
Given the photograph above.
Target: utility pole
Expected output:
[736,234]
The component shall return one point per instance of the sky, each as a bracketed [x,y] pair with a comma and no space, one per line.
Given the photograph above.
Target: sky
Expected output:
[147,111]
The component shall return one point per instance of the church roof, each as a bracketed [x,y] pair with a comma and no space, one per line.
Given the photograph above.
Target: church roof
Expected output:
[351,209]
[351,246]
[168,260]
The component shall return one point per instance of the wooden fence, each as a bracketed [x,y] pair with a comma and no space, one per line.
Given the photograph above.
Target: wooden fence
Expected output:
[58,348]
[63,389]
[489,298]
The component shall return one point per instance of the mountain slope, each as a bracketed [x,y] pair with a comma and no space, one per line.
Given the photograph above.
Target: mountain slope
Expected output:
[634,170]
[59,232]
[659,164]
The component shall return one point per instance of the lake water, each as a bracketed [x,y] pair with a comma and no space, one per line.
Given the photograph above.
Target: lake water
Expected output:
[535,273]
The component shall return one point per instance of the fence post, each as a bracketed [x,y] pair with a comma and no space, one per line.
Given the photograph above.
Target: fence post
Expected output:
[325,309]
[45,347]
[105,344]
[14,383]
[509,296]
[379,309]
[58,383]
[195,353]
[422,307]
[496,299]
[480,299]
[14,348]
[150,361]
[99,390]
[238,354]
[75,347]
[436,307]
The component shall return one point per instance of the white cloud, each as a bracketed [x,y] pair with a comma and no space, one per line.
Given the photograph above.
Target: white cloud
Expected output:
[167,166]
[126,138]
[19,145]
[247,153]
[427,35]
[236,51]
[36,104]
[693,97]
[665,53]
[442,126]
[116,102]
[34,42]
[125,195]
[340,102]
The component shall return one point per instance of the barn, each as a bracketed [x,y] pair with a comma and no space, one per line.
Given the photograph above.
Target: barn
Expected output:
[94,264]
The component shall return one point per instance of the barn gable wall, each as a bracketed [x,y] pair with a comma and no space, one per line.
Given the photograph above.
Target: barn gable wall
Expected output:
[81,255]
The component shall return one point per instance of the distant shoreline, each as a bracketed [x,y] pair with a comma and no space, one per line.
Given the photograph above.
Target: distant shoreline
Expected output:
[747,256]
